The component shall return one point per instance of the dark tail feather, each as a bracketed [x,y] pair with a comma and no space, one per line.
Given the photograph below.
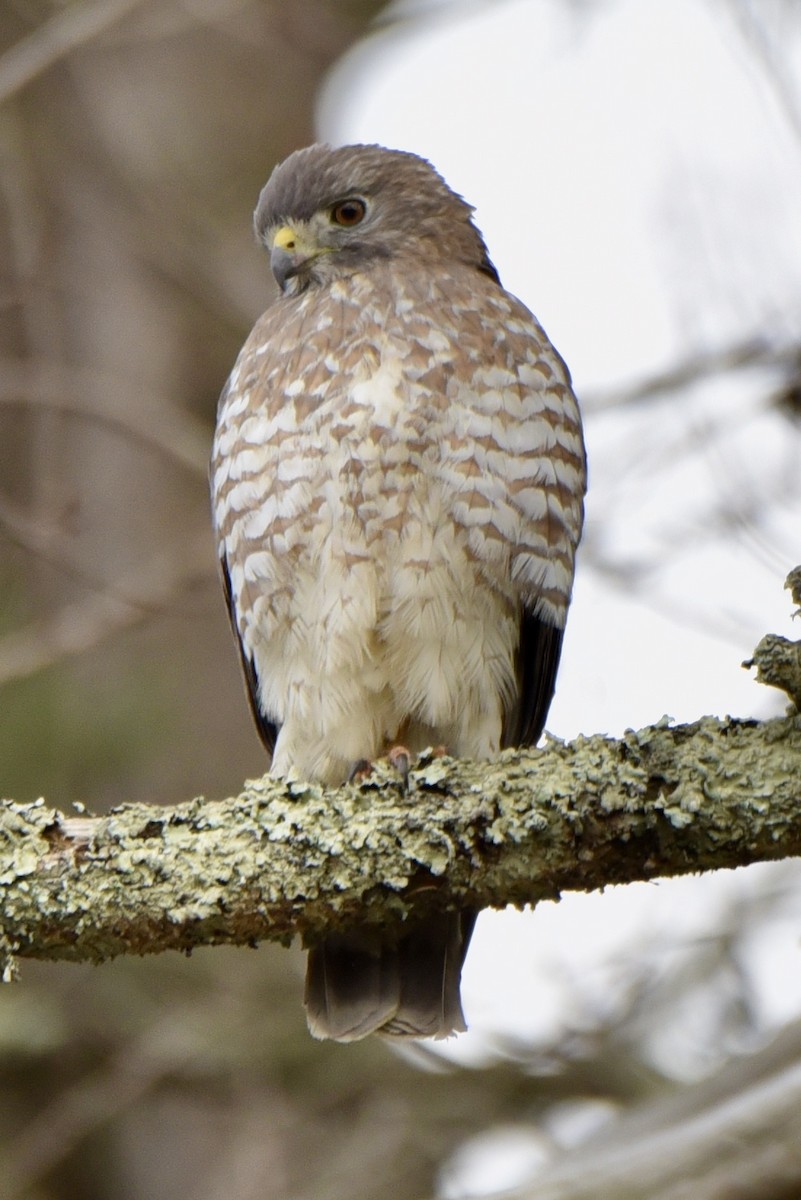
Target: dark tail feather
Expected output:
[351,986]
[356,985]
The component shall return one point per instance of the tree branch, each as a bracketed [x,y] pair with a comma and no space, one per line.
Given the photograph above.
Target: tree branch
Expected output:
[55,38]
[734,1135]
[285,858]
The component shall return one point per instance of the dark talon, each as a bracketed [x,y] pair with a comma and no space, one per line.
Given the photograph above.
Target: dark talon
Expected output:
[400,758]
[360,771]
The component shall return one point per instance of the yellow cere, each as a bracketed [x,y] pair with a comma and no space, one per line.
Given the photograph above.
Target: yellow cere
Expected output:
[285,238]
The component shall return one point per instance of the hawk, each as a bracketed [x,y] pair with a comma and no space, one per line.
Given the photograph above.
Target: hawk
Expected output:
[398,477]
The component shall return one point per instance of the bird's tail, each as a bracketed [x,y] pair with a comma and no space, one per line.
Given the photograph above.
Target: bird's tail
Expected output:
[357,984]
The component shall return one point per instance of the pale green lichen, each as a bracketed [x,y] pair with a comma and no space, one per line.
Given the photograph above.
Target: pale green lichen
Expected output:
[286,857]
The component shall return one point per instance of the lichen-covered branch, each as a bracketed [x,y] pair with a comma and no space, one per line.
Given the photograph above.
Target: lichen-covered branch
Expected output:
[296,858]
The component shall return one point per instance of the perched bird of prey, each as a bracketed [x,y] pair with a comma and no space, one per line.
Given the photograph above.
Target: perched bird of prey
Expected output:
[398,477]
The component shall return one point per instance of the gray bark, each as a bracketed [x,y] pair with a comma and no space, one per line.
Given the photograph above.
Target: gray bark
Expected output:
[286,858]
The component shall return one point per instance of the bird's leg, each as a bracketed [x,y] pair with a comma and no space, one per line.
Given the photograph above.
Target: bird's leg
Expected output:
[360,770]
[397,756]
[400,758]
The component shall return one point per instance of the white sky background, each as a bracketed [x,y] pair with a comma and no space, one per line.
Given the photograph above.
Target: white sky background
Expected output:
[636,171]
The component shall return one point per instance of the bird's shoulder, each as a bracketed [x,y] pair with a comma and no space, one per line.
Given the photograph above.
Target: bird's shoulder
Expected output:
[448,344]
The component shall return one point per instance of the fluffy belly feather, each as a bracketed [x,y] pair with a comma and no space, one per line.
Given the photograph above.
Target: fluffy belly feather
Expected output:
[365,631]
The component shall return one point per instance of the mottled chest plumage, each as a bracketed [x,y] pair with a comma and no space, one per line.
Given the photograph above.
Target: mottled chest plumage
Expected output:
[397,469]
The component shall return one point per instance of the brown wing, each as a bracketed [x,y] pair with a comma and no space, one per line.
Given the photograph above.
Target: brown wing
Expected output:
[268,731]
[537,663]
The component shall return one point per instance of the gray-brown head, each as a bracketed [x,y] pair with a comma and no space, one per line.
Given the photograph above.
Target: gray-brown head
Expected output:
[326,212]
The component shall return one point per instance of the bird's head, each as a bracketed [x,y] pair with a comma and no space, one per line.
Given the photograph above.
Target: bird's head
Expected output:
[326,212]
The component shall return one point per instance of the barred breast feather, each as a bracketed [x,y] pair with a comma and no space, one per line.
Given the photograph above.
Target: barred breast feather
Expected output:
[398,472]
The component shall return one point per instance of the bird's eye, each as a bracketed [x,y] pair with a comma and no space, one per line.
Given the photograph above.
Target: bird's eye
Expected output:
[349,212]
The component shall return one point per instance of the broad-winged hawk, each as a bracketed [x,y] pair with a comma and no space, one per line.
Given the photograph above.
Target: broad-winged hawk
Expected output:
[398,477]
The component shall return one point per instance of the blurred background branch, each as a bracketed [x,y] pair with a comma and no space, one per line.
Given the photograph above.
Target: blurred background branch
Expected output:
[735,1135]
[57,36]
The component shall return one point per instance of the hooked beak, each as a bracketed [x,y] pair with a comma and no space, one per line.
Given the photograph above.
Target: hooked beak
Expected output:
[289,255]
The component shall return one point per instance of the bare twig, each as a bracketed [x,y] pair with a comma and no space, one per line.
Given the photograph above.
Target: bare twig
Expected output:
[121,404]
[752,352]
[735,1135]
[78,627]
[59,36]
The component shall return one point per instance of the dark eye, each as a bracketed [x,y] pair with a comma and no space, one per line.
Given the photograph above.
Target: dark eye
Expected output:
[349,212]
